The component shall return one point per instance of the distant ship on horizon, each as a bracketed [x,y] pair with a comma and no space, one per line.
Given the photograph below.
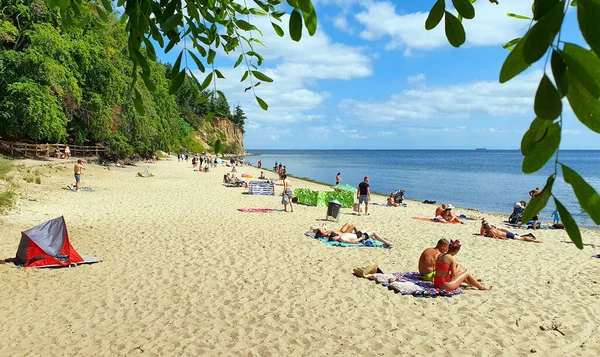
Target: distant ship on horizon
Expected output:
[480,149]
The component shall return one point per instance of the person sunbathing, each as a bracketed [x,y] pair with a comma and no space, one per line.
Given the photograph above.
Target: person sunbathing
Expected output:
[448,216]
[262,176]
[390,201]
[448,275]
[349,234]
[429,257]
[439,211]
[488,230]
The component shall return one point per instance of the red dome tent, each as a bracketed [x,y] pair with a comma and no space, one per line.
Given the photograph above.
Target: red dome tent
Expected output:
[47,245]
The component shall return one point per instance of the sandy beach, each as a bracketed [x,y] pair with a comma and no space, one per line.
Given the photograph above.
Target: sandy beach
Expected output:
[186,274]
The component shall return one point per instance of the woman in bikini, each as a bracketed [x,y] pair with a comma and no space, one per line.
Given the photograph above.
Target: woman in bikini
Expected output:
[488,230]
[349,233]
[447,273]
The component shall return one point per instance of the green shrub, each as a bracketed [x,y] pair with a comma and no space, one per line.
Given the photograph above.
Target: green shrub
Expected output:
[6,166]
[29,178]
[7,199]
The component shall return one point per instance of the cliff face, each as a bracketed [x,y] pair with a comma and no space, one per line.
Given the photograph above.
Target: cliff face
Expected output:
[230,134]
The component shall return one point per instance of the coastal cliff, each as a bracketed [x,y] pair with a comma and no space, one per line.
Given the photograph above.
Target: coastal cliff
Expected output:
[231,135]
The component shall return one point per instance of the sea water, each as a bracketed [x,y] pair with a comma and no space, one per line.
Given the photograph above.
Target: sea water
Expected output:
[487,180]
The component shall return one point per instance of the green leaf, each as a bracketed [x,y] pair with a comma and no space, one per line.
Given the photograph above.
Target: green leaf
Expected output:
[198,62]
[305,5]
[171,23]
[310,21]
[176,82]
[217,147]
[142,61]
[569,223]
[435,15]
[277,29]
[537,130]
[204,98]
[102,14]
[559,71]
[246,26]
[209,117]
[510,45]
[464,8]
[541,35]
[516,16]
[258,12]
[584,65]
[542,7]
[245,76]
[107,5]
[219,74]
[138,103]
[63,4]
[149,83]
[542,150]
[206,82]
[257,55]
[588,14]
[211,56]
[455,31]
[239,61]
[585,105]
[262,103]
[177,64]
[547,103]
[150,49]
[538,202]
[574,3]
[514,63]
[296,25]
[261,76]
[586,195]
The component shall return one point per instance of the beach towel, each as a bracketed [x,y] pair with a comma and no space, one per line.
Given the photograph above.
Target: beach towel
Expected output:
[367,243]
[433,220]
[255,210]
[411,284]
[81,189]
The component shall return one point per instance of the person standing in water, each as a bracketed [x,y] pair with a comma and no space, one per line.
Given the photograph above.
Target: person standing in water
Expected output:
[338,179]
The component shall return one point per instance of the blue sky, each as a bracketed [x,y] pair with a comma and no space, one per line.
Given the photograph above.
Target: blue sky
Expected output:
[373,78]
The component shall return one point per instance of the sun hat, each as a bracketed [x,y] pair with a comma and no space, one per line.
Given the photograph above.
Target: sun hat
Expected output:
[449,206]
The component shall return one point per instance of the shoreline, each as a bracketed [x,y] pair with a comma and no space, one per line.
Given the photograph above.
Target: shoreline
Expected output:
[185,273]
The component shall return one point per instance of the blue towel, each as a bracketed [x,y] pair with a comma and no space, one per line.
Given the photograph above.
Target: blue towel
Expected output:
[367,243]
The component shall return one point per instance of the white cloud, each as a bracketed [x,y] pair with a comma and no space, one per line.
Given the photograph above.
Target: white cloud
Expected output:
[295,69]
[341,23]
[416,79]
[456,101]
[491,26]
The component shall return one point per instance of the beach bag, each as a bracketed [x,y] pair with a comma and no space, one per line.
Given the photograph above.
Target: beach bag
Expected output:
[356,207]
[365,269]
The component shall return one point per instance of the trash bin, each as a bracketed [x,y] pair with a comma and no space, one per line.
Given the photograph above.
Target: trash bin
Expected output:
[333,210]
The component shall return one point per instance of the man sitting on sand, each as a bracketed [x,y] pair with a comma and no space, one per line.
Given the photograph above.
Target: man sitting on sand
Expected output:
[429,257]
[488,230]
[349,234]
[262,176]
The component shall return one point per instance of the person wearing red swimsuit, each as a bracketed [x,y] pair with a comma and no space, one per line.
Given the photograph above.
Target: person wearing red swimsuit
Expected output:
[447,273]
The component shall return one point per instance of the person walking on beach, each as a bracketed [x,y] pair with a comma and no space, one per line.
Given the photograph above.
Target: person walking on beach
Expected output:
[67,152]
[364,195]
[534,192]
[287,194]
[338,179]
[259,164]
[77,173]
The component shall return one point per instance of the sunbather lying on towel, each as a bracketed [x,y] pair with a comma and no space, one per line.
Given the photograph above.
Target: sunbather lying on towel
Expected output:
[349,234]
[448,275]
[488,230]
